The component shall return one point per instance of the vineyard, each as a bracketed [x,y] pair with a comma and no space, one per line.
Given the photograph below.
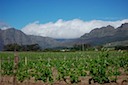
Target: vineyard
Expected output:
[64,68]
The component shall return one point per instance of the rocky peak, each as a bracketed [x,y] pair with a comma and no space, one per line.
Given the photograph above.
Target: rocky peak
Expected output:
[12,35]
[123,27]
[100,32]
[103,29]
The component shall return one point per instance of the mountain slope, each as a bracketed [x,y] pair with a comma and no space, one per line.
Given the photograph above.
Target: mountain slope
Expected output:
[12,35]
[44,42]
[98,36]
[1,42]
[104,35]
[100,32]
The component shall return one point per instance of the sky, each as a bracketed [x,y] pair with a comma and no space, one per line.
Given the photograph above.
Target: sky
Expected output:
[62,18]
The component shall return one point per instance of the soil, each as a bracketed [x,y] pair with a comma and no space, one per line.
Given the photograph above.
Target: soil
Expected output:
[8,80]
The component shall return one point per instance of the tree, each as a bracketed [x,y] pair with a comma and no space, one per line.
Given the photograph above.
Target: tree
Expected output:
[12,47]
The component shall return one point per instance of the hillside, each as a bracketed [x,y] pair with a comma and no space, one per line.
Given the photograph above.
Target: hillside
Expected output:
[12,35]
[98,36]
[105,35]
[117,43]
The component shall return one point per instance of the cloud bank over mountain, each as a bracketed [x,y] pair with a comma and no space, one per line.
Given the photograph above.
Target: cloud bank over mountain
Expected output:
[67,29]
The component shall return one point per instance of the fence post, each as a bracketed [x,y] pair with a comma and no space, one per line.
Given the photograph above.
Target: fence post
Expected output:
[25,60]
[16,61]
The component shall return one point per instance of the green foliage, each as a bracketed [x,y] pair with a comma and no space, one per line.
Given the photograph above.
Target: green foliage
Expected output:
[102,65]
[99,69]
[121,47]
[7,68]
[81,47]
[12,47]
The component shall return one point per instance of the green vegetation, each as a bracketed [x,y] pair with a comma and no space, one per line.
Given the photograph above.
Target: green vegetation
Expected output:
[103,66]
[12,47]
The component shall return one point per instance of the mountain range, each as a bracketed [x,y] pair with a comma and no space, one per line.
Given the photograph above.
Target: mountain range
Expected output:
[12,35]
[106,34]
[98,36]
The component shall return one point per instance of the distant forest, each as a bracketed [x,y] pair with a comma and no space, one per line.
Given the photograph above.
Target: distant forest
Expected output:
[76,47]
[16,47]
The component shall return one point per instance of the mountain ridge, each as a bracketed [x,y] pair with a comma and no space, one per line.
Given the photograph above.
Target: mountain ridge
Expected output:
[97,36]
[12,35]
[106,34]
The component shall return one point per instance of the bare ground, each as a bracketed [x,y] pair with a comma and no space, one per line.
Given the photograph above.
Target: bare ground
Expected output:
[7,80]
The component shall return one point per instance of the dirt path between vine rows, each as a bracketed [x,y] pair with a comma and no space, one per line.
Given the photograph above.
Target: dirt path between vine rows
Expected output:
[7,80]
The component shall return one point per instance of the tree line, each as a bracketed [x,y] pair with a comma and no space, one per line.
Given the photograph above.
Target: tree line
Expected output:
[76,47]
[16,47]
[121,47]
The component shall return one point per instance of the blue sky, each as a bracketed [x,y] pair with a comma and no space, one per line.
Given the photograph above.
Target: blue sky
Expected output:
[19,13]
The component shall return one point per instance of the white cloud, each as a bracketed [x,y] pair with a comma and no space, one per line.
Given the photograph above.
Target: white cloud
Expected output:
[4,26]
[67,29]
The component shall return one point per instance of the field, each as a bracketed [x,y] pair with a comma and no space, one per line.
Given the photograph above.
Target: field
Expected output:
[64,68]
